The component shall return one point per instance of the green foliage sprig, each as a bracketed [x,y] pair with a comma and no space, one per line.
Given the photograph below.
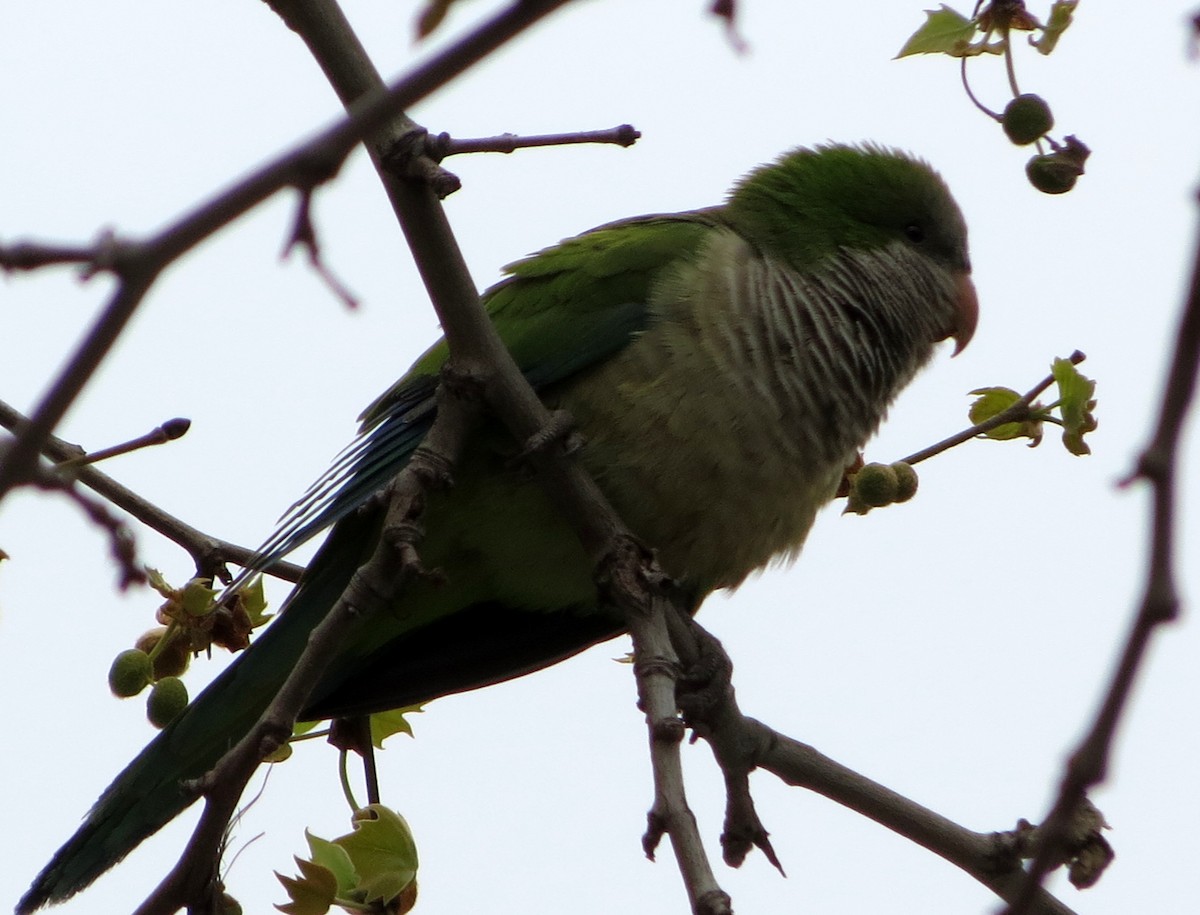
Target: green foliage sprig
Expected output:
[997,413]
[191,621]
[372,869]
[1027,118]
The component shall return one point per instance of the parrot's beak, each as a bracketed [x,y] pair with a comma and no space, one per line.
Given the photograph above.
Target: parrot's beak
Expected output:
[966,312]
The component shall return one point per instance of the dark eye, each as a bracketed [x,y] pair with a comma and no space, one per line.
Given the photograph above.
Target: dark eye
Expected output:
[914,231]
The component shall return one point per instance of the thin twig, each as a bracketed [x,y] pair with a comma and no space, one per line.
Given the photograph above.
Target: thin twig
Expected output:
[1016,413]
[741,744]
[138,264]
[443,145]
[29,256]
[304,235]
[209,553]
[121,546]
[987,857]
[170,431]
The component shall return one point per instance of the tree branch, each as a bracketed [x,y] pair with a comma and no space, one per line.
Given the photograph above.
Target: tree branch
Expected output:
[209,553]
[1088,764]
[477,350]
[137,264]
[740,744]
[443,145]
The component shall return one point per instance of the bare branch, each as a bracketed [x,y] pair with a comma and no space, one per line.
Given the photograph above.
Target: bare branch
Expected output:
[209,553]
[31,256]
[169,431]
[741,744]
[1088,765]
[120,540]
[443,145]
[304,235]
[138,264]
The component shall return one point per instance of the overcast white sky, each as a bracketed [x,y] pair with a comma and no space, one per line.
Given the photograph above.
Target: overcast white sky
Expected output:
[951,648]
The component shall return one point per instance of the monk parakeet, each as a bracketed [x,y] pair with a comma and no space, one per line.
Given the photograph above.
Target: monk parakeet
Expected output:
[723,367]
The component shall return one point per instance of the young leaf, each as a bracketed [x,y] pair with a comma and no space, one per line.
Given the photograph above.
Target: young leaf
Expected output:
[1061,14]
[312,892]
[385,724]
[994,401]
[382,851]
[945,31]
[155,580]
[303,727]
[254,602]
[334,859]
[1076,404]
[196,597]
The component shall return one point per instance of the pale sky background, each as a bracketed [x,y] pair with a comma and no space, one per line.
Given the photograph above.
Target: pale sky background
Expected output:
[951,648]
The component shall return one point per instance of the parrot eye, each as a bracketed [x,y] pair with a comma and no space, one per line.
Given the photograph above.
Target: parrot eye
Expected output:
[914,231]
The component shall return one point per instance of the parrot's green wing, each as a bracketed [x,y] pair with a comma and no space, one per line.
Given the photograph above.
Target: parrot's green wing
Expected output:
[560,311]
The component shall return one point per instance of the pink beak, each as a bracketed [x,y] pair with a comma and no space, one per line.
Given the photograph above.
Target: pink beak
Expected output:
[966,311]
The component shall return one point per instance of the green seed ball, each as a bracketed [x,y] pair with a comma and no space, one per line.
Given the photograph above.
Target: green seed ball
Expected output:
[906,478]
[167,699]
[876,485]
[1026,119]
[130,673]
[1051,175]
[173,659]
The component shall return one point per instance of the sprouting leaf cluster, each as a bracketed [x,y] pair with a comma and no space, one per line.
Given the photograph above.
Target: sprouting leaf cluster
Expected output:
[1073,410]
[997,413]
[1026,118]
[191,620]
[372,869]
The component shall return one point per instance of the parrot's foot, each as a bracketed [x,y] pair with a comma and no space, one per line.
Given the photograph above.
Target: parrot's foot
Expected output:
[743,831]
[559,432]
[705,695]
[705,684]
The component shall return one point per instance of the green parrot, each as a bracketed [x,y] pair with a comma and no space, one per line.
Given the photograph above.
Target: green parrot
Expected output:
[723,366]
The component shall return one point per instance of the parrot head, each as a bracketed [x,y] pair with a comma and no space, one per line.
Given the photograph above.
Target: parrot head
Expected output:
[811,204]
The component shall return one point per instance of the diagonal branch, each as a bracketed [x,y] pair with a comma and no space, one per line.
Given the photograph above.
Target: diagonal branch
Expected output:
[138,264]
[742,744]
[477,350]
[1088,765]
